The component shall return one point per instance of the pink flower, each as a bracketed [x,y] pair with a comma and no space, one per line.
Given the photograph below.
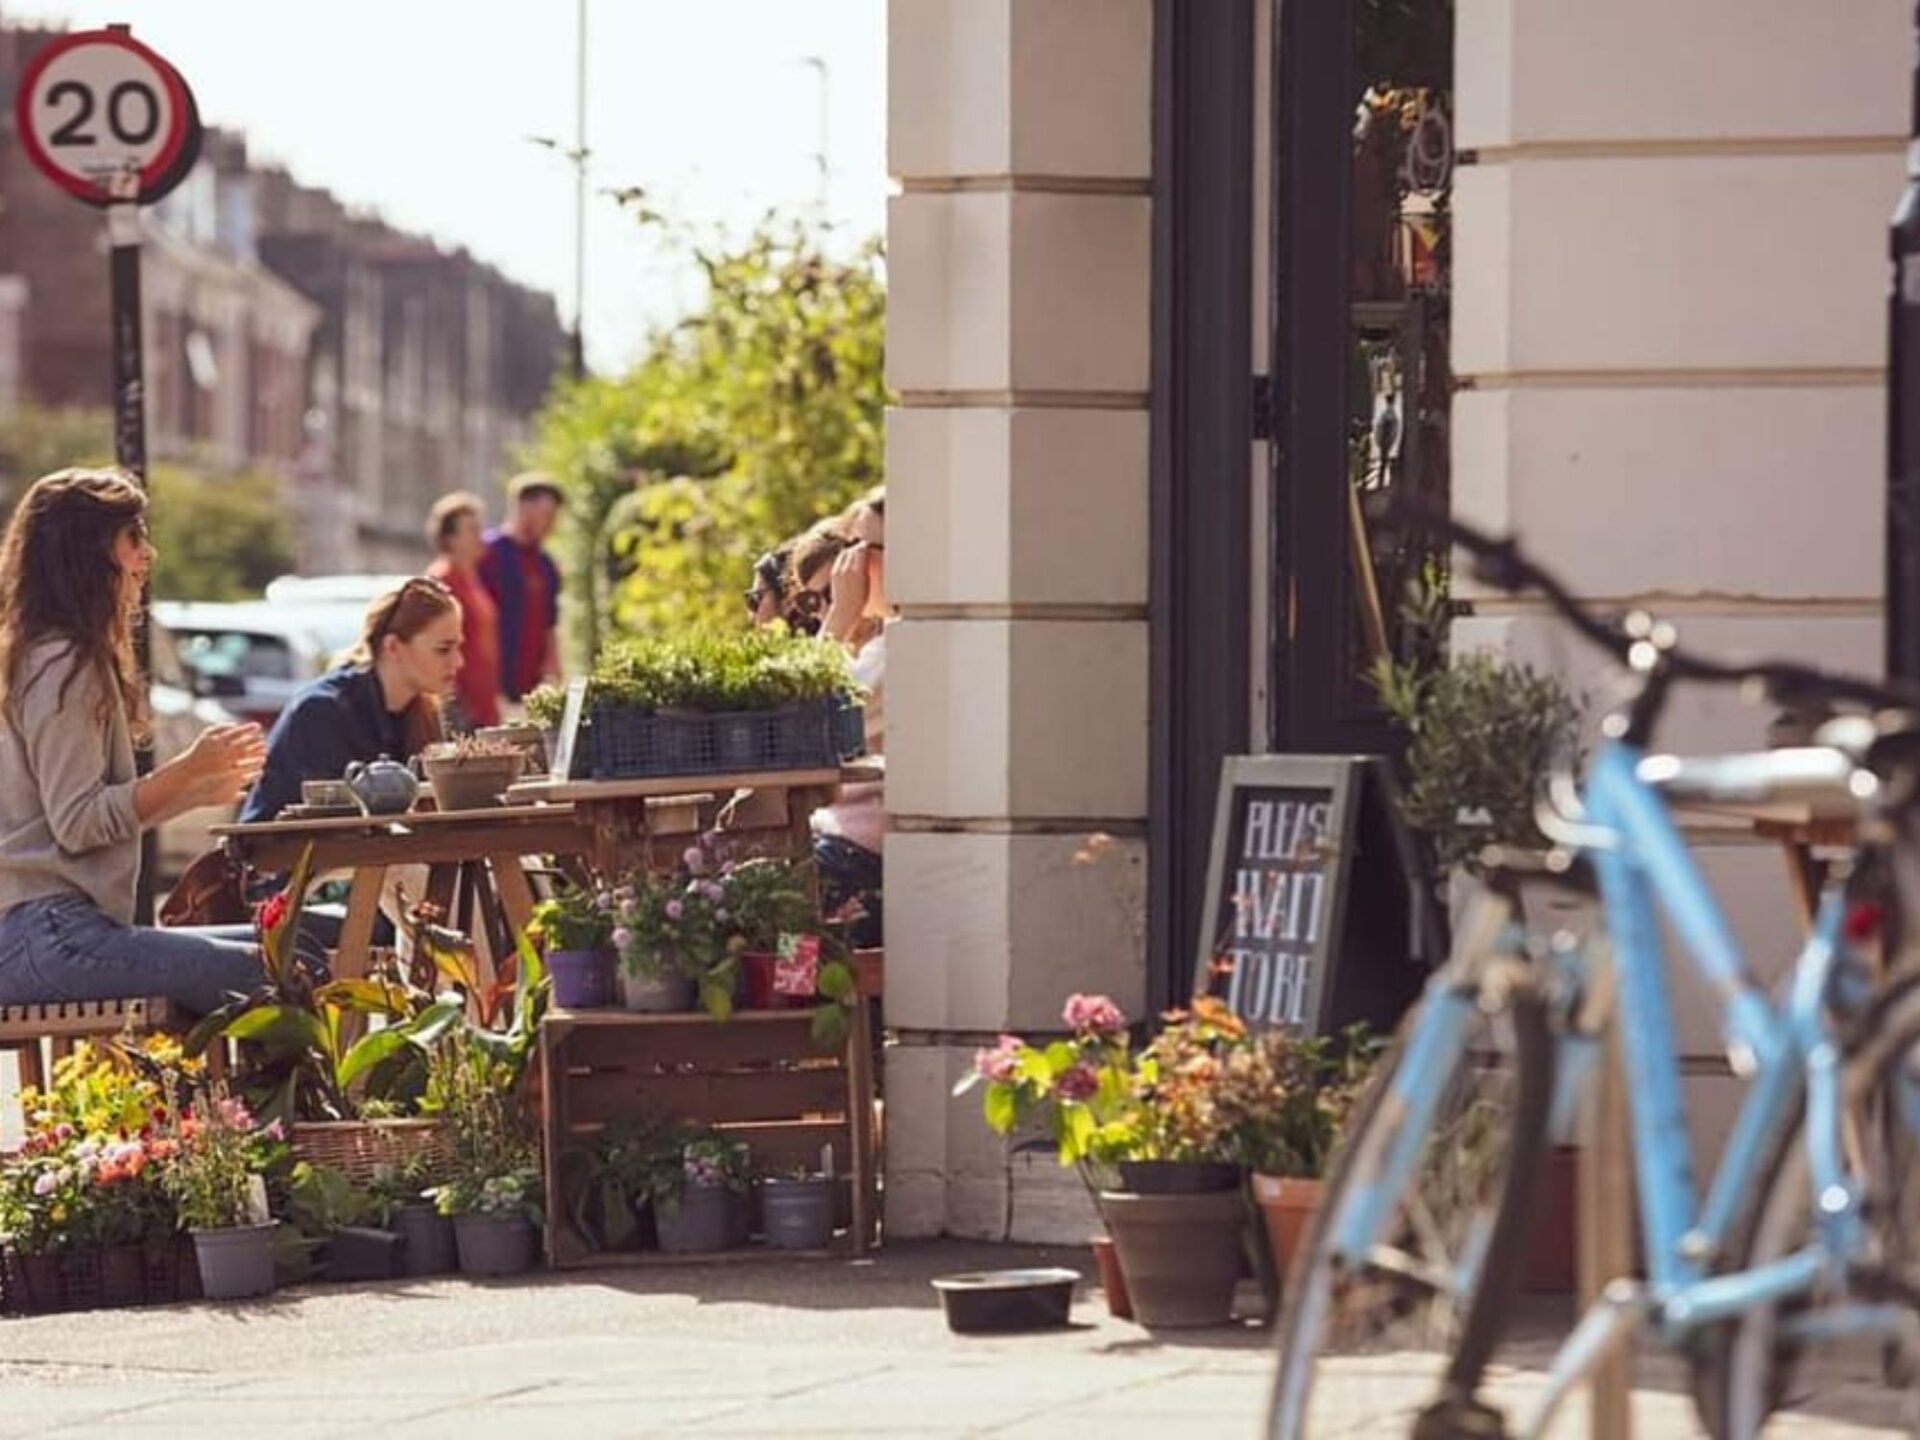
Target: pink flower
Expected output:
[1000,1062]
[1093,1015]
[44,1183]
[1077,1083]
[695,860]
[276,1131]
[622,937]
[675,909]
[63,1132]
[713,892]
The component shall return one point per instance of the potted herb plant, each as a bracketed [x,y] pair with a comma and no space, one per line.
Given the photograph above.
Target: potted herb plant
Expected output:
[1286,1099]
[699,1191]
[216,1179]
[493,1190]
[576,929]
[707,702]
[766,900]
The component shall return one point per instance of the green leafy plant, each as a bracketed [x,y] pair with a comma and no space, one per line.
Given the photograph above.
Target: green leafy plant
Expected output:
[1286,1098]
[605,1183]
[1483,736]
[546,706]
[748,419]
[715,671]
[323,1198]
[573,919]
[494,1165]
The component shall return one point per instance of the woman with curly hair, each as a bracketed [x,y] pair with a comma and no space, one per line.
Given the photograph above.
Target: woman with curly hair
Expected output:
[72,567]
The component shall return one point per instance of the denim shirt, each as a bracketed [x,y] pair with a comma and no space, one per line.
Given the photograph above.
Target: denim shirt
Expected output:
[338,719]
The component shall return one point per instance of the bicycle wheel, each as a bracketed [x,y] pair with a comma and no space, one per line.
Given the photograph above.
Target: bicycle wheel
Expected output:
[1426,1293]
[1770,1371]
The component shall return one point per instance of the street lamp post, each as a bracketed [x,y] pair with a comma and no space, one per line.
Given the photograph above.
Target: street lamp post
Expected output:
[580,192]
[1903,412]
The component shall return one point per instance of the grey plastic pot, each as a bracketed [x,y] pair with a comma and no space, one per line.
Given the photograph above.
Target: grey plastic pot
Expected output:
[668,993]
[494,1244]
[236,1262]
[1180,1254]
[708,1218]
[797,1214]
[431,1249]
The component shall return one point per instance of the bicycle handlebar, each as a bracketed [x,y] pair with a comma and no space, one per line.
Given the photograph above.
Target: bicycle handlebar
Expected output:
[1501,564]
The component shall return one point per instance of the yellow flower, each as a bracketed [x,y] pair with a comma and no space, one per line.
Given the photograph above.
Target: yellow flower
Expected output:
[59,1214]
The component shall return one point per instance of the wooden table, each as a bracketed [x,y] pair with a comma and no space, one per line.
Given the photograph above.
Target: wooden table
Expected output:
[768,811]
[488,846]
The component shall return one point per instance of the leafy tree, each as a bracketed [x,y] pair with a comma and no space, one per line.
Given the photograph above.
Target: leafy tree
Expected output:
[744,423]
[221,535]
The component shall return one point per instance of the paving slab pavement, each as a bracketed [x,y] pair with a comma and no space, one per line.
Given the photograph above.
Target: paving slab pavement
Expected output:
[771,1348]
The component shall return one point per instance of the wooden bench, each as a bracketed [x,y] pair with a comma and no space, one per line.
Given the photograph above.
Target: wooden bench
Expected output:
[61,1025]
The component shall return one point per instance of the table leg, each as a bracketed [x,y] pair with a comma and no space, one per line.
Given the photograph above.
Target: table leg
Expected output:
[516,896]
[356,936]
[860,1121]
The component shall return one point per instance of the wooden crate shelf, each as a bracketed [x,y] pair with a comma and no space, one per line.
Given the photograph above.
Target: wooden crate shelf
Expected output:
[757,1076]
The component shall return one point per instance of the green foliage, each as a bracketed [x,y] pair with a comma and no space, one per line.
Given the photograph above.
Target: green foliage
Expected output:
[222,535]
[572,920]
[1286,1097]
[495,1160]
[743,424]
[546,706]
[1484,735]
[605,1183]
[722,671]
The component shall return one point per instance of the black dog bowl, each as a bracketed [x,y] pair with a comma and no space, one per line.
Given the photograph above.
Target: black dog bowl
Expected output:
[1005,1300]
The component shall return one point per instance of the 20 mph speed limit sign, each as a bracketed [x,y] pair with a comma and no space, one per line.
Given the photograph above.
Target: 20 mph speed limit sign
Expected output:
[106,118]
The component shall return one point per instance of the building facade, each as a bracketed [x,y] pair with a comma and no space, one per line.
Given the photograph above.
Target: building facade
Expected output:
[369,368]
[1152,332]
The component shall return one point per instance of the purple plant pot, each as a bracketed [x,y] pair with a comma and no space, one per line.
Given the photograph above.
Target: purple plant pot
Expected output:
[582,979]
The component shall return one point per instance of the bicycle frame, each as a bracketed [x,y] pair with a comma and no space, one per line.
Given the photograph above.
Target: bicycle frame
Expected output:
[1648,862]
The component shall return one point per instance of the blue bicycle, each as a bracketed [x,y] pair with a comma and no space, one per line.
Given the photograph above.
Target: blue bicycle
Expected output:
[1797,1270]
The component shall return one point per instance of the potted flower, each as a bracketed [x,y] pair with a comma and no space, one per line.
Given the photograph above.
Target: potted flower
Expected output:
[492,1191]
[768,901]
[699,1191]
[1286,1098]
[667,932]
[576,929]
[215,1177]
[1175,1213]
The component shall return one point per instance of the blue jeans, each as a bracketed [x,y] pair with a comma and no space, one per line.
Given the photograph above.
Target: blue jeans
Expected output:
[62,947]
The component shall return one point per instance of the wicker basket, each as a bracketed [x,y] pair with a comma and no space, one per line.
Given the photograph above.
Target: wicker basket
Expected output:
[362,1148]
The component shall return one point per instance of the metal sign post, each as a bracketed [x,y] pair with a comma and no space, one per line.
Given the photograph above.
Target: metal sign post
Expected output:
[114,125]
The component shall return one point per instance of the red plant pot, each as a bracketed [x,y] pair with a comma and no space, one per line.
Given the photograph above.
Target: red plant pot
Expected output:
[756,984]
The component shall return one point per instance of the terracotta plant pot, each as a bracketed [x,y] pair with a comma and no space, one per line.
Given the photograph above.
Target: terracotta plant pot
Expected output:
[1549,1264]
[1181,1254]
[1287,1204]
[1113,1283]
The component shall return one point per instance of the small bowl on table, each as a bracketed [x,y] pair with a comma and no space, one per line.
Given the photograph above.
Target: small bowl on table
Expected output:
[471,782]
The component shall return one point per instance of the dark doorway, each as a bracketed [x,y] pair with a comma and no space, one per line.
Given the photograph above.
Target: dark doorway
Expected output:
[1363,160]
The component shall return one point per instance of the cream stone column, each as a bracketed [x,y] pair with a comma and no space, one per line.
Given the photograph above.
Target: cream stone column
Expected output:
[1018,342]
[1670,332]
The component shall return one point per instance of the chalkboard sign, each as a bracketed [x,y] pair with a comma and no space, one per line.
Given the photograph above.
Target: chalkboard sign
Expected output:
[1297,841]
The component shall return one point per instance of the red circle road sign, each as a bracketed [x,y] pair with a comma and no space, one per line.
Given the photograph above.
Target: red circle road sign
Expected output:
[97,105]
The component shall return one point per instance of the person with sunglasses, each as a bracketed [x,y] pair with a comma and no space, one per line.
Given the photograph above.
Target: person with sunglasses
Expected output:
[73,567]
[384,701]
[767,596]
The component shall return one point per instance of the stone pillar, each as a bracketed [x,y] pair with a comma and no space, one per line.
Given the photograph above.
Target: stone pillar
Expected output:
[1017,457]
[1669,328]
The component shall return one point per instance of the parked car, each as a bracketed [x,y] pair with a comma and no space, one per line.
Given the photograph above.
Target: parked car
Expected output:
[269,650]
[184,704]
[332,606]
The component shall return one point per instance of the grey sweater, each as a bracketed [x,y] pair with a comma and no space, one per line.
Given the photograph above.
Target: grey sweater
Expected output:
[67,822]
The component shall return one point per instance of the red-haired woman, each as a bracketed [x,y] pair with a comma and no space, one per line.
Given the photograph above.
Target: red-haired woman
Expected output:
[73,564]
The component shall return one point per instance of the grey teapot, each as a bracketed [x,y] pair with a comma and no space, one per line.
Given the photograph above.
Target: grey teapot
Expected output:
[383,786]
